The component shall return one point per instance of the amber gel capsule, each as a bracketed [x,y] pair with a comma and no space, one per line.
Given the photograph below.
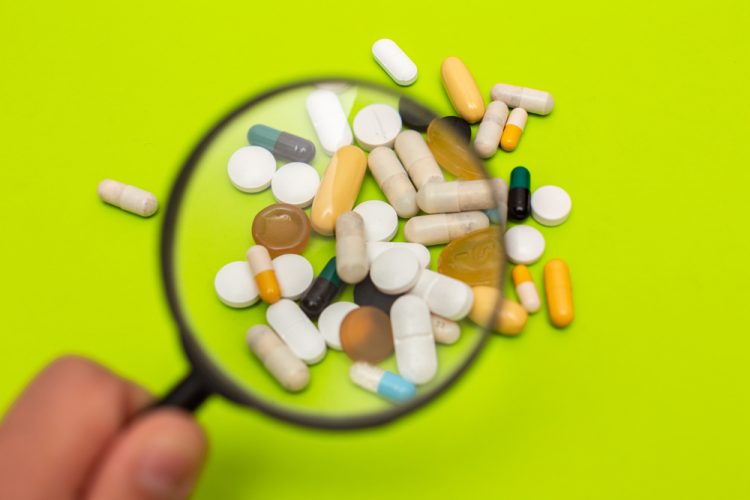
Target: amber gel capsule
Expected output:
[462,89]
[281,228]
[475,259]
[452,152]
[322,292]
[559,292]
[265,277]
[519,195]
[366,335]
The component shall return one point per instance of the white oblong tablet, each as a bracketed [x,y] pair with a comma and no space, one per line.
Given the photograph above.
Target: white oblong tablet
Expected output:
[296,330]
[329,322]
[329,120]
[251,168]
[381,220]
[395,271]
[523,244]
[413,342]
[294,274]
[550,205]
[394,61]
[375,248]
[376,125]
[295,183]
[235,285]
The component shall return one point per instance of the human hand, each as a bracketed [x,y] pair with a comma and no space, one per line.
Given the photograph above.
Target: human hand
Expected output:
[74,433]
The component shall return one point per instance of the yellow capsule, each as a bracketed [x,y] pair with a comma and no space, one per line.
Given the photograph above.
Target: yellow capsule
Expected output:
[513,129]
[559,292]
[265,277]
[339,188]
[462,89]
[526,289]
[476,258]
[453,152]
[509,319]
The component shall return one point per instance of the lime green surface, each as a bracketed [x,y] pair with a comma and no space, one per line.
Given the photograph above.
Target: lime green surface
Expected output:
[645,396]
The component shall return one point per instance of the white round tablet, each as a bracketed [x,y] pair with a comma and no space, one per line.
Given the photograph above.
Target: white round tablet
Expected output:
[395,271]
[523,244]
[235,285]
[251,168]
[375,248]
[294,274]
[381,221]
[550,205]
[329,322]
[295,183]
[376,125]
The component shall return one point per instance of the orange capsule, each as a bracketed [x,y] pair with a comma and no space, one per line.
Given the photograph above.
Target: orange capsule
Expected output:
[265,277]
[559,292]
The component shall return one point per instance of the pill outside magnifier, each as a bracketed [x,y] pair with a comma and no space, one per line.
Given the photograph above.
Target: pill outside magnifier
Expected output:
[207,224]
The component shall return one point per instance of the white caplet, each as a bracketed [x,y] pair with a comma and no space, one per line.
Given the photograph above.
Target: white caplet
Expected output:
[445,296]
[296,330]
[413,342]
[394,61]
[444,330]
[329,120]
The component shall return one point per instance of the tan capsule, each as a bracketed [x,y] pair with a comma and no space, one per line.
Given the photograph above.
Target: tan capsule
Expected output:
[352,263]
[509,319]
[129,198]
[532,100]
[441,228]
[444,330]
[462,196]
[291,372]
[462,89]
[513,129]
[491,128]
[559,292]
[417,158]
[393,181]
[339,188]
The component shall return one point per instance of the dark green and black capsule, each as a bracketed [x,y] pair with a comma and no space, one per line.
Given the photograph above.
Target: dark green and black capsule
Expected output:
[365,294]
[519,196]
[414,115]
[324,289]
[281,144]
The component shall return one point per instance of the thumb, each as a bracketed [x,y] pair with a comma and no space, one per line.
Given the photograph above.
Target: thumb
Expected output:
[157,457]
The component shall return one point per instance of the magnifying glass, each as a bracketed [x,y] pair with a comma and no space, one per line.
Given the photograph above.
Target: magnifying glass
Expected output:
[208,224]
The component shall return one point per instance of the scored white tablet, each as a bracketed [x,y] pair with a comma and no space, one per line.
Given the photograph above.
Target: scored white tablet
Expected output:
[376,125]
[381,220]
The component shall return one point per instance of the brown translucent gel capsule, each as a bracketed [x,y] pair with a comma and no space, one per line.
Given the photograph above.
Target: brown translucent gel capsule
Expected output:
[366,335]
[281,228]
[453,152]
[476,259]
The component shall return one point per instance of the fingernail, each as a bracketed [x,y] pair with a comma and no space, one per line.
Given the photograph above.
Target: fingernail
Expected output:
[165,471]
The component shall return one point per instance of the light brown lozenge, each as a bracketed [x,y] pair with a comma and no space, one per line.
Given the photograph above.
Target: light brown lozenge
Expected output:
[366,335]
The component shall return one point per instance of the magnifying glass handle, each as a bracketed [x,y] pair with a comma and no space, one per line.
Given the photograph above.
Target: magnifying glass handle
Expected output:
[188,394]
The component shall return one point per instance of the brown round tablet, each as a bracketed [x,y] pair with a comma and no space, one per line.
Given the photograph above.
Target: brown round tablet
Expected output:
[366,335]
[281,228]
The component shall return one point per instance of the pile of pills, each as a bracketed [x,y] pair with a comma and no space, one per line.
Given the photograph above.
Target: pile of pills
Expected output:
[402,307]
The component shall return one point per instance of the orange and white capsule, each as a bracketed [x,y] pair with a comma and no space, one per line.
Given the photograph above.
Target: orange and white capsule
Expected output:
[559,292]
[513,129]
[526,289]
[265,277]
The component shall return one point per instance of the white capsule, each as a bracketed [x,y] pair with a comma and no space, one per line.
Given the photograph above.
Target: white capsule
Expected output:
[129,198]
[329,120]
[375,248]
[533,101]
[394,61]
[441,228]
[393,181]
[395,271]
[491,128]
[278,359]
[445,296]
[462,196]
[413,342]
[417,158]
[444,330]
[297,331]
[376,125]
[352,263]
[387,384]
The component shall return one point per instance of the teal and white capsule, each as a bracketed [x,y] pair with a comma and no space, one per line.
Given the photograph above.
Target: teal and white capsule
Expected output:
[281,144]
[379,381]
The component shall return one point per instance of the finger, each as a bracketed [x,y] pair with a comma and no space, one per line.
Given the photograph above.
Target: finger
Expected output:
[157,458]
[55,431]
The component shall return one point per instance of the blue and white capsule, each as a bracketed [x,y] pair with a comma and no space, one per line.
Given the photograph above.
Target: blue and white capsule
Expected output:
[387,384]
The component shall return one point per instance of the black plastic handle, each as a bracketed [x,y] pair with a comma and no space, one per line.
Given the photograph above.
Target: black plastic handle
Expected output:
[188,394]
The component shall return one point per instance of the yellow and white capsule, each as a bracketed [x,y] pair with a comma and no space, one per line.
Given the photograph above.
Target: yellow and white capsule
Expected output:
[265,277]
[526,290]
[491,128]
[129,198]
[513,129]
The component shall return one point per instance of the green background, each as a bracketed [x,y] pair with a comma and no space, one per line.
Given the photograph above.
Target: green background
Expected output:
[645,396]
